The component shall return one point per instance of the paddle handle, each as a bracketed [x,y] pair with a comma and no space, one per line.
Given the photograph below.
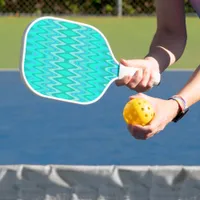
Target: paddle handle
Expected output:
[130,71]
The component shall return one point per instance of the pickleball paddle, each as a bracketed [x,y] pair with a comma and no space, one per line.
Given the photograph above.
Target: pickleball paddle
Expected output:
[69,61]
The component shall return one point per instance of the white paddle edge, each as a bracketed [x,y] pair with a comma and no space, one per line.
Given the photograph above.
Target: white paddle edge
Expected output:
[123,71]
[23,53]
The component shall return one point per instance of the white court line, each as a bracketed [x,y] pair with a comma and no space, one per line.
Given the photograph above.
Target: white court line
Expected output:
[180,70]
[173,70]
[9,69]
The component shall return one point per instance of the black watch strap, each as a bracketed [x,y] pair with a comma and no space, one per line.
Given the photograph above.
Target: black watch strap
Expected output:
[183,109]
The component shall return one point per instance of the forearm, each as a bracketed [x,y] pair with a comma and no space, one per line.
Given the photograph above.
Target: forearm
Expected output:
[166,48]
[191,91]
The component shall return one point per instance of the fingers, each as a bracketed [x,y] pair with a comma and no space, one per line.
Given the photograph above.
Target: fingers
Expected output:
[125,80]
[146,78]
[146,132]
[139,63]
[143,133]
[135,134]
[138,95]
[134,79]
[140,81]
[124,62]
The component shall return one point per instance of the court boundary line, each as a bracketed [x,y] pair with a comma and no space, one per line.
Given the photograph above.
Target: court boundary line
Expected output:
[181,69]
[8,69]
[168,70]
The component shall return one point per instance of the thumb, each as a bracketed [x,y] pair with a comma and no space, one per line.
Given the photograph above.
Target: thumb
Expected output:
[138,95]
[139,63]
[155,121]
[124,62]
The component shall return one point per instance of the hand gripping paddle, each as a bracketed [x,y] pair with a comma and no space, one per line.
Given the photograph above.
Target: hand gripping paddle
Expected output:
[69,61]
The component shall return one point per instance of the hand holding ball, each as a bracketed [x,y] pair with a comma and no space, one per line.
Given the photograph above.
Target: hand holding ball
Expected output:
[138,111]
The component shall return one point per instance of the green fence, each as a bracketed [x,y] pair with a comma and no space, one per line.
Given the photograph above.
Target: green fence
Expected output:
[80,7]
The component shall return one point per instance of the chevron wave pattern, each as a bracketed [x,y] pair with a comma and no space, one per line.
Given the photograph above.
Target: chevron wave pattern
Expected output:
[67,61]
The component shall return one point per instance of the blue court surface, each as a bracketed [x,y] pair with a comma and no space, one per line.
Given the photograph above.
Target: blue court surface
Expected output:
[34,130]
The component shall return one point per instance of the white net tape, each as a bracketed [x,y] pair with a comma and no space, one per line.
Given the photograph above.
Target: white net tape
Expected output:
[57,182]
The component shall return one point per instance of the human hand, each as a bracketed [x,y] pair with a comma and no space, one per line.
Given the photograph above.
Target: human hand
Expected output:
[165,112]
[143,79]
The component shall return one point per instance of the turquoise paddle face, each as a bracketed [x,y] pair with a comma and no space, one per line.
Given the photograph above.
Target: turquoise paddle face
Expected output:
[67,61]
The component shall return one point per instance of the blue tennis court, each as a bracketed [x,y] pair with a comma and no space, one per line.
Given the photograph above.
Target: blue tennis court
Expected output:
[34,130]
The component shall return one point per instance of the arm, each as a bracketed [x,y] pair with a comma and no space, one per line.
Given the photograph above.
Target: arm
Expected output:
[170,38]
[191,91]
[166,48]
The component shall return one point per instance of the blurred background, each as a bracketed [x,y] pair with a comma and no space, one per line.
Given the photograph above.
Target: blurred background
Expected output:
[81,7]
[35,130]
[128,24]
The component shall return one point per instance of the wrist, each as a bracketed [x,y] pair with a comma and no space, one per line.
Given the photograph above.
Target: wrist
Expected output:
[182,107]
[163,56]
[154,63]
[174,107]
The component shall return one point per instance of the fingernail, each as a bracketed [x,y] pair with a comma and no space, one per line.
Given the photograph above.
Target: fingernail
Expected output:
[131,97]
[124,60]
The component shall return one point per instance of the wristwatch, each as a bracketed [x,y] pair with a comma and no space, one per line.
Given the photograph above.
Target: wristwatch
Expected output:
[183,108]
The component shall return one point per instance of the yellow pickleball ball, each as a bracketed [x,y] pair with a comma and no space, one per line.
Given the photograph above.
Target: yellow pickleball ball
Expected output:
[138,111]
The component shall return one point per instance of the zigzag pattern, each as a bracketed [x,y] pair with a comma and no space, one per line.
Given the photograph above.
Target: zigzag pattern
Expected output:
[68,61]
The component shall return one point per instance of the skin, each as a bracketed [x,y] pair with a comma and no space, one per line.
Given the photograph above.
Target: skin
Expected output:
[167,47]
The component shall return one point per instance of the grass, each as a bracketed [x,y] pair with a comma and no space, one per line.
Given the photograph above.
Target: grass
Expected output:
[129,38]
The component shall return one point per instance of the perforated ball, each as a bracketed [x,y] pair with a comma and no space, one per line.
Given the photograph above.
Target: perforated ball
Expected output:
[138,111]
